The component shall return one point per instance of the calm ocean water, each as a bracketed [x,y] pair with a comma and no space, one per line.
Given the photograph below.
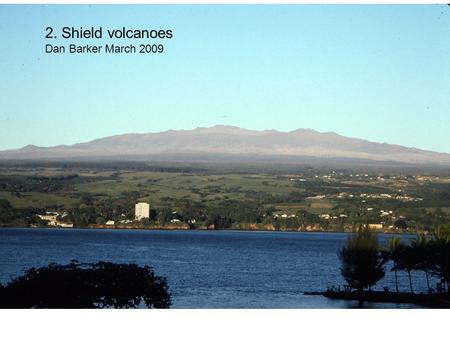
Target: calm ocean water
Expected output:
[205,269]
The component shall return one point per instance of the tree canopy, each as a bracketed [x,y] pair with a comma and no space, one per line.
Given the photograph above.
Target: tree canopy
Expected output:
[362,263]
[83,285]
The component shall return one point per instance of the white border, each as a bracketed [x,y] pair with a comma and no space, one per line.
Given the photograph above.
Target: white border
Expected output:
[223,323]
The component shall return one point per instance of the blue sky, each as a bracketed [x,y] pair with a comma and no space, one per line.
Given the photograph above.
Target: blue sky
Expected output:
[375,72]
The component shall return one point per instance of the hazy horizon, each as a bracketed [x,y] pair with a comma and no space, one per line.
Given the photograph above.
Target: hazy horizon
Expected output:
[373,72]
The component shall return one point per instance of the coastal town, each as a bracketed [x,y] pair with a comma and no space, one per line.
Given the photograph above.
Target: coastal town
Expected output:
[309,199]
[55,218]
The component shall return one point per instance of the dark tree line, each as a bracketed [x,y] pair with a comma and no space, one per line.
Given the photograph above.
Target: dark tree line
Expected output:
[13,216]
[363,261]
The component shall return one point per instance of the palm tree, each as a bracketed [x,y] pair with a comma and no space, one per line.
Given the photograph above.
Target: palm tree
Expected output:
[421,249]
[408,262]
[440,255]
[395,246]
[362,263]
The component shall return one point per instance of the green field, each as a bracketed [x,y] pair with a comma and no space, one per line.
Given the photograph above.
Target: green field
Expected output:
[234,197]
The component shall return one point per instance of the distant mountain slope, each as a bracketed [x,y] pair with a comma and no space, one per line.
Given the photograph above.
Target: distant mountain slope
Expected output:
[227,141]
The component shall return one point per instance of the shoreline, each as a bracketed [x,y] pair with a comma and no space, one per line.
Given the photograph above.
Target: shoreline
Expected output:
[186,228]
[430,300]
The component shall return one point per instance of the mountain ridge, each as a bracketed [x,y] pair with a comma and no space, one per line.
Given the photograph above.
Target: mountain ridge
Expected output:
[231,141]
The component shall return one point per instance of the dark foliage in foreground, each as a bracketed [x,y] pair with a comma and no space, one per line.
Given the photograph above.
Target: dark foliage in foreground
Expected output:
[362,264]
[76,285]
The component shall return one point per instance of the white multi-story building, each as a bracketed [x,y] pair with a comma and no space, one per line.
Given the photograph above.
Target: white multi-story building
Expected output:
[142,210]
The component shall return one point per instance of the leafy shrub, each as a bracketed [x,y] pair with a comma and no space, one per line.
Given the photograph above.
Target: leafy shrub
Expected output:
[96,285]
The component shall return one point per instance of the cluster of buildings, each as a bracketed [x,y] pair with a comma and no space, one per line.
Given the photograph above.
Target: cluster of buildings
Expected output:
[328,216]
[141,211]
[52,219]
[284,216]
[405,198]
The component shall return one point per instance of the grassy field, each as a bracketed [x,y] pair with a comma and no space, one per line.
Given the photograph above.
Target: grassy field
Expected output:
[159,187]
[313,190]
